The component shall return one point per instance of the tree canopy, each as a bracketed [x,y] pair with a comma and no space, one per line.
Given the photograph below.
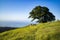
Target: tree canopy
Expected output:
[42,14]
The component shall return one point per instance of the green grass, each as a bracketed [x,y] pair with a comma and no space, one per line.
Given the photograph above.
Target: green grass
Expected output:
[42,31]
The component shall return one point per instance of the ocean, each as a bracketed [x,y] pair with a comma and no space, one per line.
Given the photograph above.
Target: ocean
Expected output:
[14,24]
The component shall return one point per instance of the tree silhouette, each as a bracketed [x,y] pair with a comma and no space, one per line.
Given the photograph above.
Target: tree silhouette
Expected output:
[42,14]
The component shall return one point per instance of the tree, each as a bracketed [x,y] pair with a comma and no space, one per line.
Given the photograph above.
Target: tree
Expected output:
[42,14]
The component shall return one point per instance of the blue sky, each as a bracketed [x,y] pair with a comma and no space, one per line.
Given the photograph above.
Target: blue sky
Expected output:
[18,10]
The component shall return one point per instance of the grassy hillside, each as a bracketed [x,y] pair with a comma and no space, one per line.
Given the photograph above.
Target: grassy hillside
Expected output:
[43,31]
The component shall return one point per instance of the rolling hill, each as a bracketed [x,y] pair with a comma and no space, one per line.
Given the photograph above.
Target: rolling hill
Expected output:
[42,31]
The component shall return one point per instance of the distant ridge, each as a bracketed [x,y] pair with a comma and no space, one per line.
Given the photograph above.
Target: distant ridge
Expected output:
[3,29]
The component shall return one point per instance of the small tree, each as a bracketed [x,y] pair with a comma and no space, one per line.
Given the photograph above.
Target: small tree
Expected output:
[42,14]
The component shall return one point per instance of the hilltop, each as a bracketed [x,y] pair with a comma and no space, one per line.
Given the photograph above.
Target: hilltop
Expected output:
[42,31]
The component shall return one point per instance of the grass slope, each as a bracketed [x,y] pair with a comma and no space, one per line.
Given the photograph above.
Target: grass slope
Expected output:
[43,31]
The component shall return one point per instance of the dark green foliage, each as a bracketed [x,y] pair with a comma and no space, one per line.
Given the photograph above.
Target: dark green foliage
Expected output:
[42,14]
